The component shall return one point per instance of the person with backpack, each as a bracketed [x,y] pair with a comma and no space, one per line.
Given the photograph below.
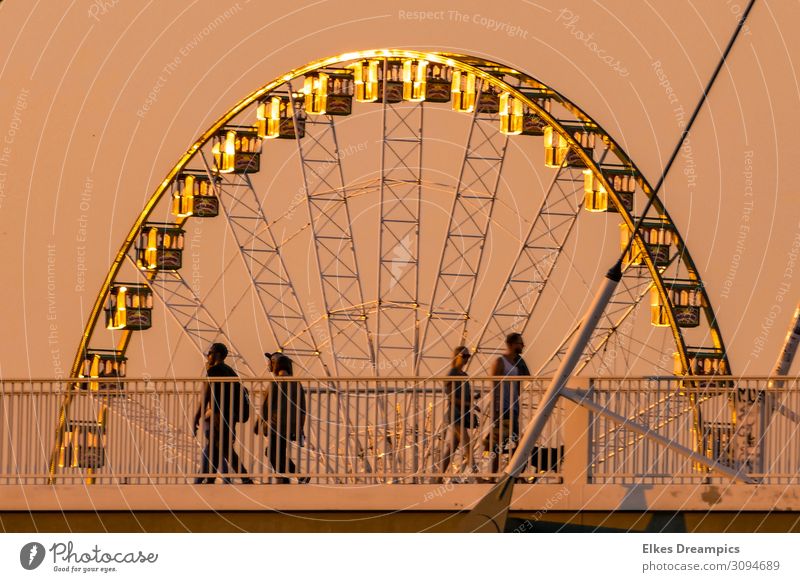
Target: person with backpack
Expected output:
[283,417]
[223,405]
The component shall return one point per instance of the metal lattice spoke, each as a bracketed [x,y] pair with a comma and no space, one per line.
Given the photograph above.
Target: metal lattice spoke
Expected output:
[267,269]
[535,261]
[463,247]
[397,318]
[187,309]
[635,286]
[629,294]
[351,346]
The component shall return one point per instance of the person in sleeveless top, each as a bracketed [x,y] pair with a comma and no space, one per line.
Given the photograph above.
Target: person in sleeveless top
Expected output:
[504,435]
[460,414]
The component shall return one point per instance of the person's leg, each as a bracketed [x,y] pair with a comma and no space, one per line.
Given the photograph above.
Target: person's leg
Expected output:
[277,456]
[469,457]
[205,463]
[215,455]
[286,460]
[452,441]
[298,440]
[513,436]
[495,457]
[270,451]
[232,458]
[224,443]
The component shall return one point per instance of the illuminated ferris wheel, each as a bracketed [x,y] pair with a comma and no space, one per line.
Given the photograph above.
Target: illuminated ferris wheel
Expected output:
[432,200]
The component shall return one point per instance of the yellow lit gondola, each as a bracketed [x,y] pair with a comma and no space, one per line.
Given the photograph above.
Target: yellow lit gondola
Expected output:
[102,366]
[315,89]
[555,148]
[659,310]
[510,114]
[194,194]
[237,150]
[340,92]
[659,238]
[701,362]
[83,445]
[596,198]
[129,307]
[595,194]
[415,79]
[438,84]
[390,85]
[488,99]
[686,299]
[278,116]
[365,79]
[463,91]
[160,247]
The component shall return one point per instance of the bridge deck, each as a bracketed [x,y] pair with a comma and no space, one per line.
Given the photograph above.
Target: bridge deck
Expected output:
[375,447]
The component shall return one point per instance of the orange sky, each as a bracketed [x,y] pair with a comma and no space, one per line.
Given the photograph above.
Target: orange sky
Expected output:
[99,98]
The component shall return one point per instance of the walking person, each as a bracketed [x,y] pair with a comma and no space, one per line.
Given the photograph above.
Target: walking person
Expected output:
[283,417]
[504,435]
[221,408]
[461,413]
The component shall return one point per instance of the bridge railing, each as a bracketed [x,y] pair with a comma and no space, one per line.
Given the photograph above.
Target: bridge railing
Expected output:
[392,430]
[750,424]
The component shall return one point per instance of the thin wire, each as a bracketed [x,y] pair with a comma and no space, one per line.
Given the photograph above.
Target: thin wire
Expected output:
[688,127]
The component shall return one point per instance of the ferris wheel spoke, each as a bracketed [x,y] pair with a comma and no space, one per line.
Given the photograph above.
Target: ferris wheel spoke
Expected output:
[462,250]
[187,309]
[397,318]
[266,267]
[357,190]
[330,221]
[630,294]
[636,284]
[535,261]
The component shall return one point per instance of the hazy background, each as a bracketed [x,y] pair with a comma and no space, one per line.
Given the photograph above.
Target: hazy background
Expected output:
[98,99]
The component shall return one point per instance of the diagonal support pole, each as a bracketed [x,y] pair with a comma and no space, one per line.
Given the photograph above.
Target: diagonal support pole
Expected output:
[491,512]
[582,398]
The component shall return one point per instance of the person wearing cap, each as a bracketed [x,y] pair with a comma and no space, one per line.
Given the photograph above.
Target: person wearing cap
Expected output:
[283,417]
[219,424]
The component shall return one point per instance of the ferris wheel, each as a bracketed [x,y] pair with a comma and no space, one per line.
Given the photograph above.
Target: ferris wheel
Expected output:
[394,174]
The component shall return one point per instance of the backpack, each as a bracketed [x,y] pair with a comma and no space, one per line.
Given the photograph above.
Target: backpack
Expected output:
[241,404]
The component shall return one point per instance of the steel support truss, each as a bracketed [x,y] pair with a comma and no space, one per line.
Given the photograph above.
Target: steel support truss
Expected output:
[351,345]
[188,310]
[265,264]
[397,318]
[535,261]
[463,248]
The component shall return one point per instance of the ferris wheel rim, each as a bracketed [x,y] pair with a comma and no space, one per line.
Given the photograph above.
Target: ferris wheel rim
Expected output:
[469,64]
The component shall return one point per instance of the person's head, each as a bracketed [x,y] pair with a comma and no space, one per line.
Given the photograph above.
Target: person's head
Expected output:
[461,356]
[283,366]
[515,344]
[216,354]
[271,359]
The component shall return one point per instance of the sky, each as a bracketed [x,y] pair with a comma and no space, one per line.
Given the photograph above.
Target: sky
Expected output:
[99,99]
